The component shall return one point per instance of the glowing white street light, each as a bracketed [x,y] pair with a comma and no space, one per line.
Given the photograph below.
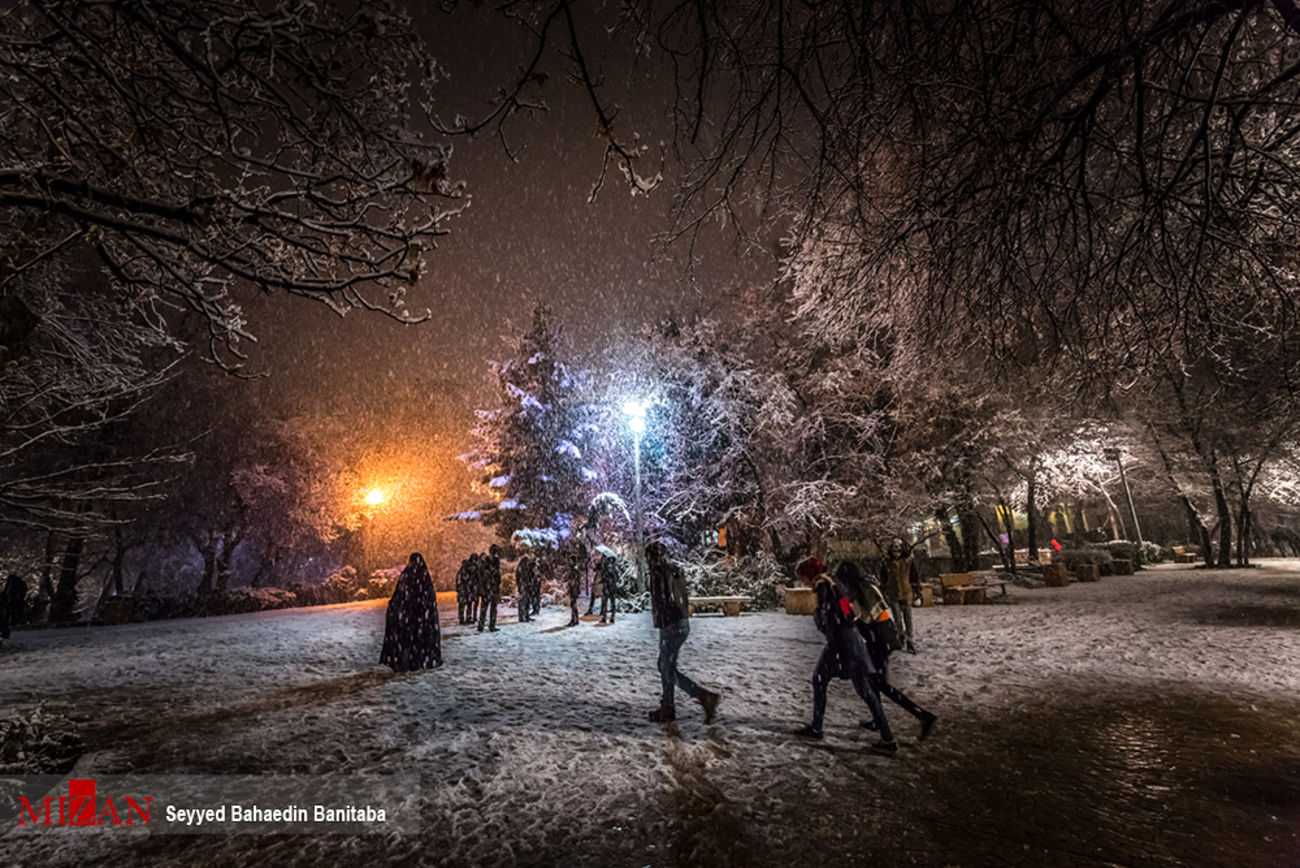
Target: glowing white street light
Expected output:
[636,420]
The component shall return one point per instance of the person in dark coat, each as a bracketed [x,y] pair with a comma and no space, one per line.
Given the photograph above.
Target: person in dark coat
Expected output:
[412,639]
[670,607]
[901,584]
[573,584]
[608,570]
[524,573]
[845,654]
[473,576]
[545,572]
[489,589]
[876,625]
[462,592]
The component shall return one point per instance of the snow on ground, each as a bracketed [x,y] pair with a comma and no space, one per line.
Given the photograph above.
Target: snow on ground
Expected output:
[1137,720]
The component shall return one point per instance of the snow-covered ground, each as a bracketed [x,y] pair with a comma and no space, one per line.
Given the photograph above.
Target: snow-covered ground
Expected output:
[1138,720]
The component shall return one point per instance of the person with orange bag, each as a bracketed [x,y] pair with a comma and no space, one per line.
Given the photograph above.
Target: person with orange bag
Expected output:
[876,625]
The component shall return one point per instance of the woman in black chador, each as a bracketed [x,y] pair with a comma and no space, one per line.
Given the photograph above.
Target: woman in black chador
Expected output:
[411,636]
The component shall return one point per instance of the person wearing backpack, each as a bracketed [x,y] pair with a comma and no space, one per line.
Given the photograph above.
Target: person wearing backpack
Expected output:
[876,625]
[845,654]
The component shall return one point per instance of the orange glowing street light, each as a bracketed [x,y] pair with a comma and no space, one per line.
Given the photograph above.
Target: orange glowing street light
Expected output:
[375,496]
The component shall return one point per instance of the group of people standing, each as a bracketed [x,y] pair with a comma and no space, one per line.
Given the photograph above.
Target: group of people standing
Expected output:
[478,589]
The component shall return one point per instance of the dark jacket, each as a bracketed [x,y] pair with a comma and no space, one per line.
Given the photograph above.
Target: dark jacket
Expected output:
[609,576]
[491,577]
[670,601]
[834,616]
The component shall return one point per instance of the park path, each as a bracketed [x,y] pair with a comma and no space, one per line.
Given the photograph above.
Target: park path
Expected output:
[1146,720]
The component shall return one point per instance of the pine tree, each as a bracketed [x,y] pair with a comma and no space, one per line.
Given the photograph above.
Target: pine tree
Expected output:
[532,445]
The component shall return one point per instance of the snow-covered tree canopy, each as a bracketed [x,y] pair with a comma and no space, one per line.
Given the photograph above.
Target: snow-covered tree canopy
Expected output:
[194,146]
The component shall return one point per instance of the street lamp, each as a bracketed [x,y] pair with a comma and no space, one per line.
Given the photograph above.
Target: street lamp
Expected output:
[1113,454]
[635,411]
[373,499]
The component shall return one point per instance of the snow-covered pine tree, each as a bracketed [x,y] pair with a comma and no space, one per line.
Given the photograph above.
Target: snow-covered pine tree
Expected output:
[532,445]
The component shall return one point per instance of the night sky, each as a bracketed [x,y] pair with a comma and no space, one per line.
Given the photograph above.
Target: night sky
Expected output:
[530,234]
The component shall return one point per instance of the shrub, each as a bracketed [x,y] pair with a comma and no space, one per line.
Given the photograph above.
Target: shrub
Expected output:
[1125,550]
[1154,554]
[1090,555]
[38,743]
[757,575]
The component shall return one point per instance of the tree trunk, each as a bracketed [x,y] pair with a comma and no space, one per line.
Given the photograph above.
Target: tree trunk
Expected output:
[119,561]
[1009,522]
[1031,513]
[63,604]
[969,521]
[955,551]
[992,535]
[225,554]
[1244,539]
[208,550]
[1225,515]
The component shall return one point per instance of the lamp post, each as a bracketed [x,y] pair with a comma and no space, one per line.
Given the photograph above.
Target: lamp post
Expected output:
[373,499]
[636,411]
[1113,454]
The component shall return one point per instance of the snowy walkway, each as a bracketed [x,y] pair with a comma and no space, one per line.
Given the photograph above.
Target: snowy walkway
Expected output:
[1140,720]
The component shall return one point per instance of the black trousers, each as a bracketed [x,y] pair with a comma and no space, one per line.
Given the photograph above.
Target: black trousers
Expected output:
[484,605]
[839,663]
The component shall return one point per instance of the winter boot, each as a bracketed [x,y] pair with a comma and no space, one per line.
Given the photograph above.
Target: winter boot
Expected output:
[709,702]
[927,724]
[664,713]
[809,731]
[887,747]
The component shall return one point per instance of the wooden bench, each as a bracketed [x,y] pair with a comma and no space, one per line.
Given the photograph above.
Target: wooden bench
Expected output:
[730,605]
[1183,556]
[962,588]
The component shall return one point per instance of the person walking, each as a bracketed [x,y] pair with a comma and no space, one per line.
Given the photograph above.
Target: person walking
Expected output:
[845,654]
[574,586]
[671,609]
[608,570]
[901,584]
[876,625]
[525,572]
[412,639]
[489,589]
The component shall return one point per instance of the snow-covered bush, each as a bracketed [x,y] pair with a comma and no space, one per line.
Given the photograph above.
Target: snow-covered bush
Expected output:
[240,600]
[1154,554]
[757,575]
[339,587]
[1090,555]
[380,584]
[38,743]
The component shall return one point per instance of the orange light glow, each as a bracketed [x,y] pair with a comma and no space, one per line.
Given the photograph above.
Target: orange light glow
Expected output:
[374,497]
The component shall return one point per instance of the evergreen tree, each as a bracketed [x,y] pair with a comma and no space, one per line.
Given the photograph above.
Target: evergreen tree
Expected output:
[532,445]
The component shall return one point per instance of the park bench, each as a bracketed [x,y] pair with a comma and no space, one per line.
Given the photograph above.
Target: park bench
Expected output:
[730,605]
[1183,556]
[962,588]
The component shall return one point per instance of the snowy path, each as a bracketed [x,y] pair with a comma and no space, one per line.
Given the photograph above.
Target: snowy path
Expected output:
[1138,720]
